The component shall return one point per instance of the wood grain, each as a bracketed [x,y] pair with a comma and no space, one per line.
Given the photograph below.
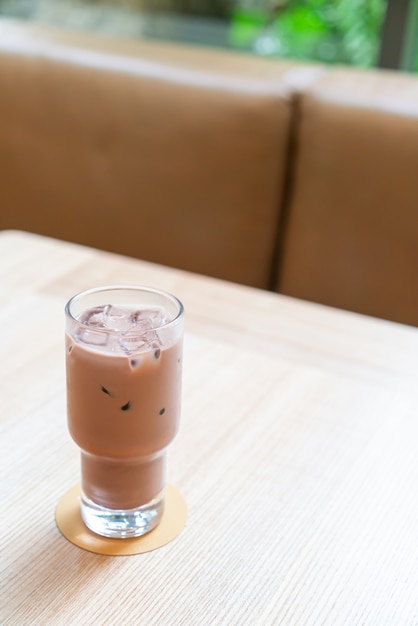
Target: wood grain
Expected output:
[297,456]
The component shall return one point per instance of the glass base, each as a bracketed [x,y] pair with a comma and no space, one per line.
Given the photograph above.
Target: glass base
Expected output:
[120,523]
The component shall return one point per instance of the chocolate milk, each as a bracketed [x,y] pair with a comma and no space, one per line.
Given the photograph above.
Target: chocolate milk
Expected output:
[123,411]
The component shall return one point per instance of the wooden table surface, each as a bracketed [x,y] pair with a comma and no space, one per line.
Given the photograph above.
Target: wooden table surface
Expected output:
[297,456]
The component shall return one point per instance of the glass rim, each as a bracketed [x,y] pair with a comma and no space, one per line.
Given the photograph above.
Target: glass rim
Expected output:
[132,288]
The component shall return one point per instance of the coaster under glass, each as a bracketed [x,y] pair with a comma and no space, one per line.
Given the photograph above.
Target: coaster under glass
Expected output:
[72,527]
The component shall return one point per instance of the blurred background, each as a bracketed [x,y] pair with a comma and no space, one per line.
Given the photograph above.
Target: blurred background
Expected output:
[365,33]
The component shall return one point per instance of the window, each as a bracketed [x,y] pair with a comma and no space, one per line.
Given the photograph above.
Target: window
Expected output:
[364,33]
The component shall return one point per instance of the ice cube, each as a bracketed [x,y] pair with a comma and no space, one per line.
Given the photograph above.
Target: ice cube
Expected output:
[141,336]
[149,318]
[95,316]
[116,319]
[132,344]
[158,317]
[138,317]
[92,337]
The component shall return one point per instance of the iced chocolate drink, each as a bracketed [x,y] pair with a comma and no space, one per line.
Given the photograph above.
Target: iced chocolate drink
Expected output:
[123,355]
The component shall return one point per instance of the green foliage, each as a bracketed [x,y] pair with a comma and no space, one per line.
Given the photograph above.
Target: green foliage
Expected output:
[333,31]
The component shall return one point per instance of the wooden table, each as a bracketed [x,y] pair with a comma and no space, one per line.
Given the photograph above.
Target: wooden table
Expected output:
[297,455]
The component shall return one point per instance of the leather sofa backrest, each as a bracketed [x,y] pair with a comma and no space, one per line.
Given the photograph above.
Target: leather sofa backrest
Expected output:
[350,235]
[167,153]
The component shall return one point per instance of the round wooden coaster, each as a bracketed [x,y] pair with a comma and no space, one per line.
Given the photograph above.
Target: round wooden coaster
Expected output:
[70,524]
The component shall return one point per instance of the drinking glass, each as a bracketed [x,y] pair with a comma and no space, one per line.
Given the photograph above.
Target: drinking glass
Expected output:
[123,363]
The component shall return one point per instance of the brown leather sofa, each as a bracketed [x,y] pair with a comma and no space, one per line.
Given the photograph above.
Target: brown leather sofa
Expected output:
[298,178]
